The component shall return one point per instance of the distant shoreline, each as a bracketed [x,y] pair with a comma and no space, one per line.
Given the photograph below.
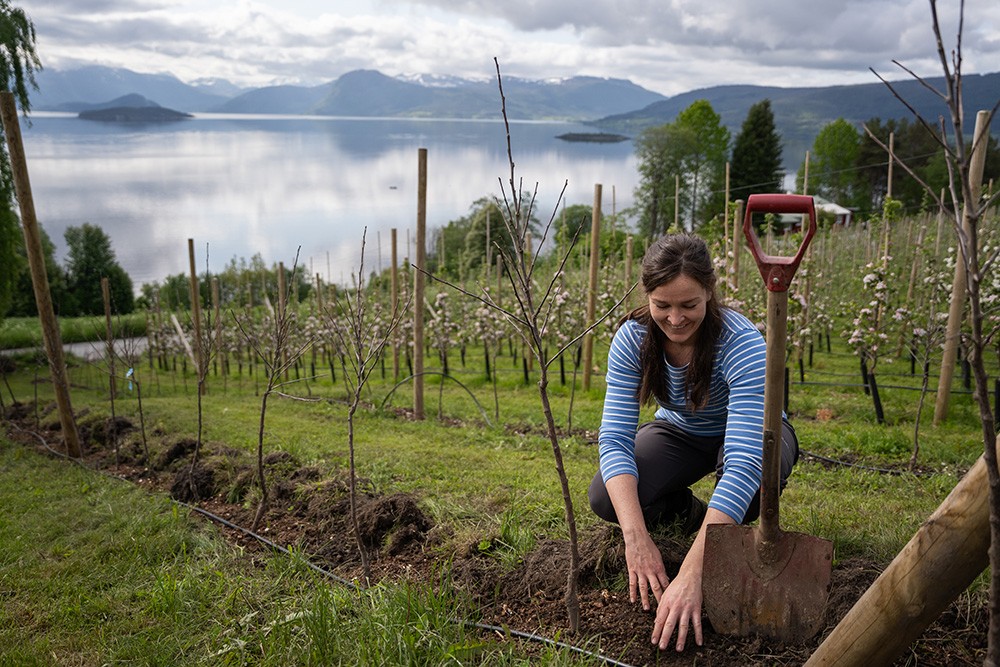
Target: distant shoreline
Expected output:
[593,137]
[135,115]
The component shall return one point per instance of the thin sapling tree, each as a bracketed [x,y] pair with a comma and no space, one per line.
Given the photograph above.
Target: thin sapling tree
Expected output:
[364,334]
[533,310]
[964,162]
[272,343]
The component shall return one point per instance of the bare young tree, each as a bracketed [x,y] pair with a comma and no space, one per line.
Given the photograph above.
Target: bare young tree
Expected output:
[363,333]
[946,554]
[272,344]
[533,312]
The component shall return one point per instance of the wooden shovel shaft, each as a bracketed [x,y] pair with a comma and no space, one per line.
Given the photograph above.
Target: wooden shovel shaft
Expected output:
[774,386]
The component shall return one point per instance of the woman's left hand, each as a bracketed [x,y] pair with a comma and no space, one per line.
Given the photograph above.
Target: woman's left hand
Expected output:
[679,608]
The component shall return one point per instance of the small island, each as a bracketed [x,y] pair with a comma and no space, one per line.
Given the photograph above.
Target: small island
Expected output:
[146,114]
[593,137]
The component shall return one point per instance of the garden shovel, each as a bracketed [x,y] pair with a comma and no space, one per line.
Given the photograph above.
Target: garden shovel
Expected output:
[762,580]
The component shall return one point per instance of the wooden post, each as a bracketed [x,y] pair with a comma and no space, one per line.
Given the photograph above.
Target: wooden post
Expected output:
[725,233]
[418,286]
[595,251]
[51,337]
[217,321]
[806,280]
[959,284]
[441,259]
[677,202]
[282,309]
[109,337]
[629,250]
[489,249]
[394,296]
[198,355]
[737,244]
[888,195]
[939,562]
[282,289]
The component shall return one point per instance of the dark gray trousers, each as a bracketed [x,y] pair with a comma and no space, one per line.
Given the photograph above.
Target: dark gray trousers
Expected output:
[669,462]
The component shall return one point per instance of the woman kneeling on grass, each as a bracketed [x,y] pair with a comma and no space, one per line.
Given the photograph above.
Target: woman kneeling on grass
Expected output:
[703,364]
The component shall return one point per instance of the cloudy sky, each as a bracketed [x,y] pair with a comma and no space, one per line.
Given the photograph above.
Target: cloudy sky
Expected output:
[669,46]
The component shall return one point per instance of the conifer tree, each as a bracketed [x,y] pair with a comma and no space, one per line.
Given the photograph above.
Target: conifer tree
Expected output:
[756,164]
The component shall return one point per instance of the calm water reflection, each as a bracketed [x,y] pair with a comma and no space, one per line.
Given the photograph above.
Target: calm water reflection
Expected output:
[241,185]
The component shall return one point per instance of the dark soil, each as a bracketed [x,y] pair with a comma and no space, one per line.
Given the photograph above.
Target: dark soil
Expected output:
[314,514]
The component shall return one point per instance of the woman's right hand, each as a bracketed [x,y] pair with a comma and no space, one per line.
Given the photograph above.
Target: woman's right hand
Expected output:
[645,569]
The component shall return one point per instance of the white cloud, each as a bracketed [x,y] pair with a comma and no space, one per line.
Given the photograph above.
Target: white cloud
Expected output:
[667,45]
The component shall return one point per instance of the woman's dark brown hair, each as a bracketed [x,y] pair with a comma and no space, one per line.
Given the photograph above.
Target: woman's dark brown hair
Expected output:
[669,257]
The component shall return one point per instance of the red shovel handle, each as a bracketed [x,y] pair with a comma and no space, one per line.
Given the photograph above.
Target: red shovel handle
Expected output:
[778,271]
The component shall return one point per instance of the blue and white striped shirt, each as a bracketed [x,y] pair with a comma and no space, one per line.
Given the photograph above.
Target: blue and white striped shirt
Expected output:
[735,408]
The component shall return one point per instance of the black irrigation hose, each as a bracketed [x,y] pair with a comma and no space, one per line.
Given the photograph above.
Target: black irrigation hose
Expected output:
[326,573]
[444,376]
[848,464]
[858,385]
[263,540]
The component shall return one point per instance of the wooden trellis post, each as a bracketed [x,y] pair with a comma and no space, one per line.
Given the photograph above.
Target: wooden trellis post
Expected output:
[959,284]
[595,251]
[394,296]
[51,337]
[737,245]
[198,354]
[109,339]
[725,233]
[418,286]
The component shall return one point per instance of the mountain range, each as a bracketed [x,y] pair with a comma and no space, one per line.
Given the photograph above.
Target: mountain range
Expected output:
[612,105]
[357,93]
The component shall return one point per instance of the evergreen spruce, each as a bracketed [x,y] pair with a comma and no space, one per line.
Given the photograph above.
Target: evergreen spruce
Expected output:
[756,164]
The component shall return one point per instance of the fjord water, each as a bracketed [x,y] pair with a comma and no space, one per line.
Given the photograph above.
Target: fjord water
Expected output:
[242,185]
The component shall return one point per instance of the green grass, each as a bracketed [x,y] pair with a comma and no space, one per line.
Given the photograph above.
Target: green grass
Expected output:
[94,571]
[24,332]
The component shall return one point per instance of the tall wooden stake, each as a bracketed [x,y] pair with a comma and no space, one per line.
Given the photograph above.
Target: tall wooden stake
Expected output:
[418,286]
[737,245]
[595,251]
[629,251]
[806,278]
[959,285]
[109,337]
[199,354]
[888,195]
[217,319]
[725,233]
[39,279]
[677,201]
[394,296]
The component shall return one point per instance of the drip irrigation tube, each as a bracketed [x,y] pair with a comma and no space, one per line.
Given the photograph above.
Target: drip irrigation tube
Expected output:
[848,464]
[444,376]
[857,385]
[520,634]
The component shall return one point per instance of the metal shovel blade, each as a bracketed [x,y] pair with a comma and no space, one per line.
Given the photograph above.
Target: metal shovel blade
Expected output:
[762,580]
[777,589]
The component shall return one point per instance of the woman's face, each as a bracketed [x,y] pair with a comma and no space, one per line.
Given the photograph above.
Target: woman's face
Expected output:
[678,308]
